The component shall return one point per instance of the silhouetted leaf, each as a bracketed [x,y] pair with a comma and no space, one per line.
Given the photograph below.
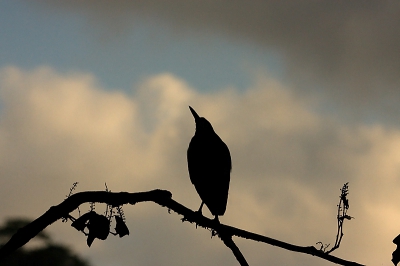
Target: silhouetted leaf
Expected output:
[99,227]
[90,240]
[348,217]
[80,223]
[120,227]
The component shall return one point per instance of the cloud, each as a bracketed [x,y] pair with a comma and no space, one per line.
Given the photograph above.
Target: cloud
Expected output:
[289,162]
[343,50]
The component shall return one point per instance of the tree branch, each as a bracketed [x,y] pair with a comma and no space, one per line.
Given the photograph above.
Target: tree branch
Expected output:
[227,239]
[163,198]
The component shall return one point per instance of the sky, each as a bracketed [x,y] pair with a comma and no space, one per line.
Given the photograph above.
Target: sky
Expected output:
[304,93]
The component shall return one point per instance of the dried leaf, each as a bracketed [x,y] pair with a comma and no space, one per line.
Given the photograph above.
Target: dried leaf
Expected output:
[120,227]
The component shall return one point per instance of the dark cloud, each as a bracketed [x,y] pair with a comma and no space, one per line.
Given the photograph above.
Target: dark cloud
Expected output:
[348,50]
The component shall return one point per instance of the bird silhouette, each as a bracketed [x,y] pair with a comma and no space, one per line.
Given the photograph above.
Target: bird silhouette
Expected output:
[209,165]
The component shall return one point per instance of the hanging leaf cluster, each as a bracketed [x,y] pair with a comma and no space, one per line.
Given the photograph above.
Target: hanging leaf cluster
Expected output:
[95,225]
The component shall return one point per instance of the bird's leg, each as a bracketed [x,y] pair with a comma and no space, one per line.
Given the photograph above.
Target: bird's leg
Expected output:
[216,230]
[201,207]
[198,214]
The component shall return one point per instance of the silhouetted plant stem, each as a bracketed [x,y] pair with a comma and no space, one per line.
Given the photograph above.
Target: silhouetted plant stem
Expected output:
[343,207]
[161,197]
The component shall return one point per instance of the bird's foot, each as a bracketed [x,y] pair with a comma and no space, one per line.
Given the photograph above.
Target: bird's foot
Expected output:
[197,215]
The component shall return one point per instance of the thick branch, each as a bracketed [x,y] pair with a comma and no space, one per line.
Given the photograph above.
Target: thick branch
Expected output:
[161,197]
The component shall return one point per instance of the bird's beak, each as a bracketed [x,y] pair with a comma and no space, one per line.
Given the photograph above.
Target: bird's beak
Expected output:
[195,115]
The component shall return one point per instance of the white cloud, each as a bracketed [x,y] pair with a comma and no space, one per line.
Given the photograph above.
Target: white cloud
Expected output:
[289,162]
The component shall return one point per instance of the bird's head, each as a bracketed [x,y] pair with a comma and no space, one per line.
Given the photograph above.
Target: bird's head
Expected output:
[202,124]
